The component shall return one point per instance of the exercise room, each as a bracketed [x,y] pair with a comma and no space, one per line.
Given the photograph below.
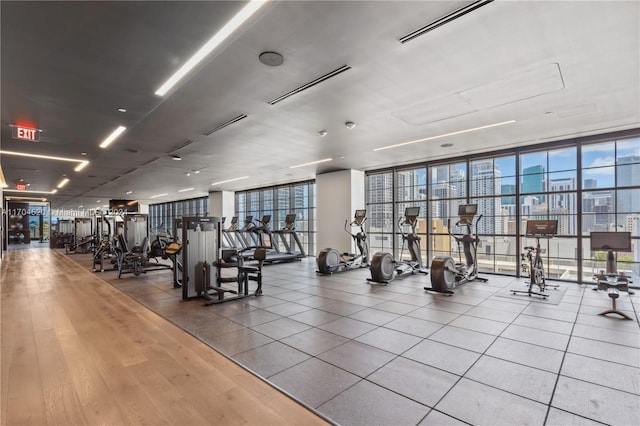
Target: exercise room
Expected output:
[390,213]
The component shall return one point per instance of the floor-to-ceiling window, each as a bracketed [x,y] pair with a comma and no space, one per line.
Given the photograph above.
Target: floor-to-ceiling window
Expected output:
[278,202]
[161,216]
[585,185]
[610,201]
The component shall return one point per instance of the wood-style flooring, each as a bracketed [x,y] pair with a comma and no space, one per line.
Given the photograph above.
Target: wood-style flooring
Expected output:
[77,351]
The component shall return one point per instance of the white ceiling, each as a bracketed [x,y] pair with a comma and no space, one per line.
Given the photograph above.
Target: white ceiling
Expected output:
[560,69]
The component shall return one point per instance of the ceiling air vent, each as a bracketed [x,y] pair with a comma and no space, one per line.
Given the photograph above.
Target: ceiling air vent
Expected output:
[310,84]
[444,20]
[228,123]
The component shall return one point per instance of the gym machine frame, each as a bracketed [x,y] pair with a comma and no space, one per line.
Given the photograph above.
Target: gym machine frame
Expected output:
[203,261]
[445,273]
[330,260]
[610,280]
[384,268]
[532,259]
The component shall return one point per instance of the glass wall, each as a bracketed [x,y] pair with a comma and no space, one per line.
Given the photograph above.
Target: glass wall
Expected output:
[161,216]
[585,185]
[278,202]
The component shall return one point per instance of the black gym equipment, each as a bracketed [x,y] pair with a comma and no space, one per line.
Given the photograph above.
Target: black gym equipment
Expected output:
[532,259]
[331,261]
[610,280]
[384,268]
[285,243]
[446,274]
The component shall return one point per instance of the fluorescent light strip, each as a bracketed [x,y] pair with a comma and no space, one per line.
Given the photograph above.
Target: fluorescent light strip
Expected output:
[158,195]
[117,132]
[209,46]
[229,180]
[186,189]
[313,162]
[459,132]
[28,191]
[46,157]
[3,182]
[26,198]
[81,166]
[62,183]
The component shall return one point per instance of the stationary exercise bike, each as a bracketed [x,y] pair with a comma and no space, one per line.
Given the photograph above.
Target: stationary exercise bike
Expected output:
[384,268]
[610,280]
[446,274]
[532,259]
[331,261]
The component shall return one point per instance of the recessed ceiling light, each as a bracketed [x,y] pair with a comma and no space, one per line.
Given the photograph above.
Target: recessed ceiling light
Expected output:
[83,153]
[210,45]
[128,192]
[229,180]
[195,172]
[186,189]
[188,174]
[117,132]
[62,183]
[80,207]
[176,157]
[459,132]
[324,160]
[122,110]
[323,133]
[350,124]
[158,195]
[446,145]
[99,201]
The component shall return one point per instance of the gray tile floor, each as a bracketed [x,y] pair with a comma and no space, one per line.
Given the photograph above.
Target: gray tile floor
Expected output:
[369,354]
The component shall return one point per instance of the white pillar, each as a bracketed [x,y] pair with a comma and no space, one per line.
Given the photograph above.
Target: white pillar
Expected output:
[338,195]
[222,204]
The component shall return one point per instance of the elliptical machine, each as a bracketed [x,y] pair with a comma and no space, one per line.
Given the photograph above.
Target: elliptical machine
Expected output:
[384,268]
[445,273]
[331,261]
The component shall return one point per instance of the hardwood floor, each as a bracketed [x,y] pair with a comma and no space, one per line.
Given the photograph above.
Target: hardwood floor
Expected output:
[75,350]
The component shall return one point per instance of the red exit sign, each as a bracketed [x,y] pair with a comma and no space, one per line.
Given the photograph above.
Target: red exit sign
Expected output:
[26,133]
[21,186]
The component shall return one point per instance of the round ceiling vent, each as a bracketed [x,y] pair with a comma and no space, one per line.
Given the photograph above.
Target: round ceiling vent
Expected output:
[273,59]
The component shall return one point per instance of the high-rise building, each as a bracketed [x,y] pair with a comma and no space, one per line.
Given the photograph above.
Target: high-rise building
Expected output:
[564,203]
[628,174]
[533,181]
[486,184]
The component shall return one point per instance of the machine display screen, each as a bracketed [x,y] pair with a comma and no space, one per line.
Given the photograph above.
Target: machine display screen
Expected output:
[467,209]
[615,241]
[360,214]
[412,211]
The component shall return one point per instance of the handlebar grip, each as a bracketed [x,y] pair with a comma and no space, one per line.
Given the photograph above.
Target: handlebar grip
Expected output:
[529,248]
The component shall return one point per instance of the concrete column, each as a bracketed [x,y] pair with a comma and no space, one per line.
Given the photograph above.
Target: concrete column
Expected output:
[222,204]
[338,196]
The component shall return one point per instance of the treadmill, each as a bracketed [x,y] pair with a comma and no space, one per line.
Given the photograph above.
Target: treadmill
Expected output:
[288,237]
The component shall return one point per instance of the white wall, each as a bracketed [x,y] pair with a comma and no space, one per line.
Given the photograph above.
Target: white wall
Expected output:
[338,194]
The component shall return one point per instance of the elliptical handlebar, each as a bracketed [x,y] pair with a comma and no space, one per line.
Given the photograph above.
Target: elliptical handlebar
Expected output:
[469,225]
[348,226]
